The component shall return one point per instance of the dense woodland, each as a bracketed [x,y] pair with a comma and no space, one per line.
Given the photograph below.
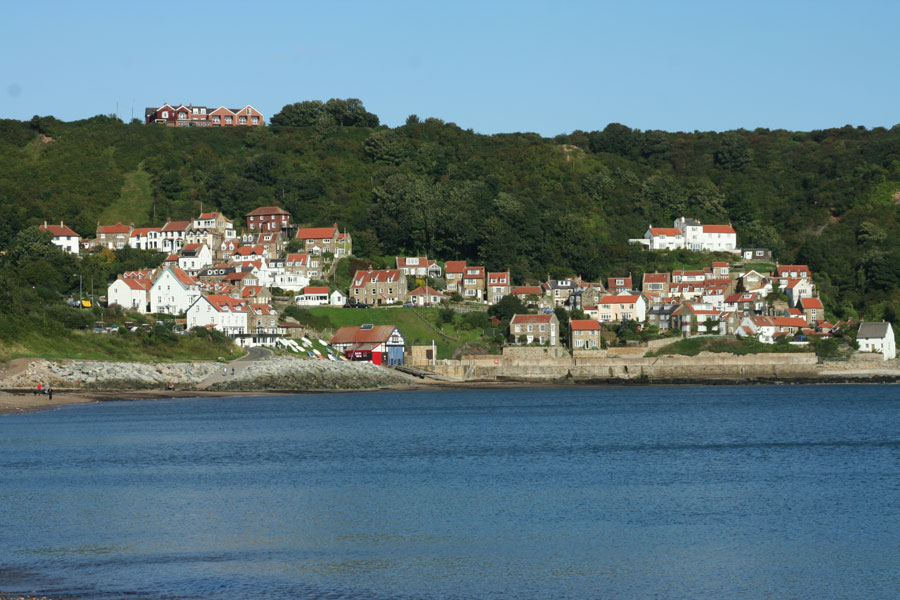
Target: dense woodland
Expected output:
[535,205]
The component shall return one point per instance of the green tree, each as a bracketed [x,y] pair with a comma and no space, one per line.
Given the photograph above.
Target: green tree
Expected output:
[733,153]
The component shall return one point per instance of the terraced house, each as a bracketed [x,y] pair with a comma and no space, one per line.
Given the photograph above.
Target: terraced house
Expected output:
[498,286]
[378,287]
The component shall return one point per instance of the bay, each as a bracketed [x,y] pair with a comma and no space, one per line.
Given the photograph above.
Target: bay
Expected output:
[570,492]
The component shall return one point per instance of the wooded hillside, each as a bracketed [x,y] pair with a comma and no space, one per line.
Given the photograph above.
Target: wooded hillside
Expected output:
[519,201]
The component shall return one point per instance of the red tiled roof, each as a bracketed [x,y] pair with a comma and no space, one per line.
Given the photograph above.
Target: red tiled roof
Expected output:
[224,303]
[656,277]
[718,229]
[719,265]
[251,291]
[786,270]
[137,283]
[360,278]
[669,231]
[357,335]
[526,289]
[530,319]
[790,322]
[267,210]
[455,266]
[316,233]
[809,303]
[111,229]
[212,215]
[176,226]
[424,290]
[59,230]
[315,289]
[584,325]
[249,250]
[623,299]
[422,261]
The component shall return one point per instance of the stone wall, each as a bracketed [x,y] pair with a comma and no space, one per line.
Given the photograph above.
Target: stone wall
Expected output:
[593,366]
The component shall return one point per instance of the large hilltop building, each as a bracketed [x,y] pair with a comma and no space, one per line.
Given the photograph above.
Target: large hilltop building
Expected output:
[203,116]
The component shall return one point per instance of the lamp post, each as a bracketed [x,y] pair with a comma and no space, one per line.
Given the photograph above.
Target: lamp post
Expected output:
[80,285]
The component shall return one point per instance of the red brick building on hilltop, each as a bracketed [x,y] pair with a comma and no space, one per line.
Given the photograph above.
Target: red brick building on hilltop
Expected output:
[202,116]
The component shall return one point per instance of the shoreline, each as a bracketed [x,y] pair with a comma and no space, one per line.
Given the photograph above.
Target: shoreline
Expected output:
[15,401]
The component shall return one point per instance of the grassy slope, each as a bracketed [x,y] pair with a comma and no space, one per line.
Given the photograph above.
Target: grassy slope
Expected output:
[413,329]
[694,346]
[135,197]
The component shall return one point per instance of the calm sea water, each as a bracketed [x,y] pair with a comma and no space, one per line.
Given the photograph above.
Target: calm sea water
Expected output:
[645,492]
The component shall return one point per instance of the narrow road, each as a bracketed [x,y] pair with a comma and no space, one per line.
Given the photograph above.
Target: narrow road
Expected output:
[240,365]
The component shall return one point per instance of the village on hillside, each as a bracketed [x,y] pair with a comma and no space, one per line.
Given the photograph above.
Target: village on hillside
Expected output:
[224,277]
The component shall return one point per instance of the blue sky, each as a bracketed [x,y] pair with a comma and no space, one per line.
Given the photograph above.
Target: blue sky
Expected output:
[490,66]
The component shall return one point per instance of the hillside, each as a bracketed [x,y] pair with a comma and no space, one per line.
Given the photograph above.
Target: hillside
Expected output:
[519,201]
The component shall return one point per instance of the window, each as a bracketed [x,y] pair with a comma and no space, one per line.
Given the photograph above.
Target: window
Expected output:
[254,120]
[229,120]
[248,111]
[216,119]
[243,120]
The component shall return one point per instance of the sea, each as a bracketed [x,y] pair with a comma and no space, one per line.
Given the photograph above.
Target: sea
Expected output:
[554,492]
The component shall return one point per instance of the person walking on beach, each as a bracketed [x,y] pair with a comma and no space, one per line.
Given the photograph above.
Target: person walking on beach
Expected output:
[37,390]
[50,392]
[224,371]
[232,371]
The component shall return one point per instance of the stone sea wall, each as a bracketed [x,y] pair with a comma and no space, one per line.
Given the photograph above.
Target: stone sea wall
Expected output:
[538,365]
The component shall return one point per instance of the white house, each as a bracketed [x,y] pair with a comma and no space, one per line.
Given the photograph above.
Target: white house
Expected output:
[762,328]
[877,337]
[145,238]
[173,292]
[228,315]
[313,295]
[64,238]
[664,238]
[711,238]
[194,257]
[337,298]
[131,293]
[172,235]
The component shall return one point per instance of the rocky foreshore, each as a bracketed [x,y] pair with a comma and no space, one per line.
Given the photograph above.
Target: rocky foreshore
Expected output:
[275,373]
[91,374]
[287,373]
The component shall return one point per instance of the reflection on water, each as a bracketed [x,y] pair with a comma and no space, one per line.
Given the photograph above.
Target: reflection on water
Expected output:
[704,492]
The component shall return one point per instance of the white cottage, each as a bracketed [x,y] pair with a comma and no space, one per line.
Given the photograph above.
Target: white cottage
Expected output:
[173,292]
[877,337]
